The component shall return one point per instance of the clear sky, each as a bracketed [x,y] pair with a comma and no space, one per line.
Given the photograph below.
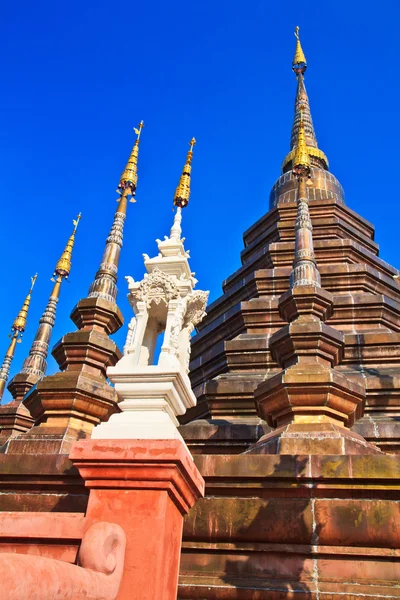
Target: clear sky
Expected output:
[77,76]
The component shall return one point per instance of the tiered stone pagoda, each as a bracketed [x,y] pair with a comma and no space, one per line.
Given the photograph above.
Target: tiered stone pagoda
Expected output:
[296,431]
[296,370]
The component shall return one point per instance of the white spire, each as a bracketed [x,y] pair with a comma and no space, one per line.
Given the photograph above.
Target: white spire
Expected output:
[176,229]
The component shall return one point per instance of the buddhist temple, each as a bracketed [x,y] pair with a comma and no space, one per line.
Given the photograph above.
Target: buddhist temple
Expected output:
[248,449]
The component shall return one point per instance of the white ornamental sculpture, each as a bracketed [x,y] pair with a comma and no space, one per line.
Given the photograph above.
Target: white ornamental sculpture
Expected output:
[165,306]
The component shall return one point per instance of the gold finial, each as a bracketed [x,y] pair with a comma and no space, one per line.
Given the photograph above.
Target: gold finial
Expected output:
[18,327]
[129,177]
[299,64]
[301,158]
[182,192]
[63,266]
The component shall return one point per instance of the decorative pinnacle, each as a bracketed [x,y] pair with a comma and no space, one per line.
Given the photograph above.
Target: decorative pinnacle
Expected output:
[129,177]
[299,64]
[17,330]
[301,159]
[302,112]
[182,192]
[63,267]
[19,325]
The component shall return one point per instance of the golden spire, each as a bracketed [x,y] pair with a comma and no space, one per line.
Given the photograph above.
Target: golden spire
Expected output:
[17,330]
[129,177]
[302,112]
[63,266]
[19,325]
[301,159]
[299,64]
[182,192]
[104,284]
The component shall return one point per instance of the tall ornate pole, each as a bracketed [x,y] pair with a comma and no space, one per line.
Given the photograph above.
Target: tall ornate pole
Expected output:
[35,364]
[105,282]
[305,270]
[17,330]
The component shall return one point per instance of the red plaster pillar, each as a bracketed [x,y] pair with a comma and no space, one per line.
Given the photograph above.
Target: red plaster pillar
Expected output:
[147,487]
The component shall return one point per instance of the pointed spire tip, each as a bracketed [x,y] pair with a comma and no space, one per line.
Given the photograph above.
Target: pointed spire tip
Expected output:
[19,324]
[17,329]
[63,266]
[129,177]
[33,281]
[182,192]
[299,64]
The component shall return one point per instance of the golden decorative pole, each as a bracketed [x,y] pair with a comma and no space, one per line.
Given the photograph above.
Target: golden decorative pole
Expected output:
[182,193]
[63,266]
[304,270]
[104,284]
[17,330]
[302,111]
[35,364]
[129,176]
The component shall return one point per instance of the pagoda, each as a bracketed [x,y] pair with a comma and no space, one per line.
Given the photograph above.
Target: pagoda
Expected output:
[296,428]
[258,460]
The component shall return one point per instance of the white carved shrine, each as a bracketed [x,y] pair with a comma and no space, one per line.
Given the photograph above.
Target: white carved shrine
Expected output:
[165,304]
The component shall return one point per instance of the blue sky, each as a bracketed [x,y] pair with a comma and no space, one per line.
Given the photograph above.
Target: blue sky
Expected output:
[77,76]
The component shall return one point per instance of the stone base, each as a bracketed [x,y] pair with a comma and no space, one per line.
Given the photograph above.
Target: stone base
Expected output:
[139,420]
[313,438]
[152,397]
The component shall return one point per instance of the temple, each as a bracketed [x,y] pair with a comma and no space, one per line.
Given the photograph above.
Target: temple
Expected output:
[253,460]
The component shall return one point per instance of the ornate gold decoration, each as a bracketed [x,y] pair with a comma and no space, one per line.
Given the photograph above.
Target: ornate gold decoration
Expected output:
[129,177]
[302,112]
[312,152]
[17,330]
[299,64]
[63,267]
[182,192]
[19,325]
[301,160]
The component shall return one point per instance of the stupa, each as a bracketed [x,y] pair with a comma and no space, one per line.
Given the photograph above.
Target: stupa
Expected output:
[296,430]
[259,458]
